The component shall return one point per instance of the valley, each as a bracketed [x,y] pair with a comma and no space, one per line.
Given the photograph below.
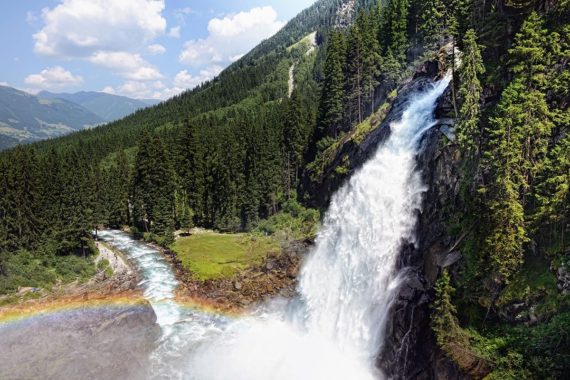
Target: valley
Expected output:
[380,190]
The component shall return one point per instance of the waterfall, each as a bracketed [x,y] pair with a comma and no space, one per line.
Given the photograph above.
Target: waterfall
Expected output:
[334,328]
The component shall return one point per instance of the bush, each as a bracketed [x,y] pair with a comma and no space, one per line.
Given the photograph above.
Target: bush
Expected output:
[294,222]
[43,268]
[102,264]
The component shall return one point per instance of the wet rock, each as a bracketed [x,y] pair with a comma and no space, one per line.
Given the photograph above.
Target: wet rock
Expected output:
[450,259]
[88,343]
[448,131]
[410,350]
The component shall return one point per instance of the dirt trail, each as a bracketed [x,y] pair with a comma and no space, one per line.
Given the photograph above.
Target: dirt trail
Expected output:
[116,261]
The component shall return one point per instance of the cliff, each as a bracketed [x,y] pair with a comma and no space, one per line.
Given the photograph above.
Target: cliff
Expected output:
[410,350]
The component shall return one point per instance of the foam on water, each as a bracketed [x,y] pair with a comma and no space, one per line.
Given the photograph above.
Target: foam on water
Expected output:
[334,329]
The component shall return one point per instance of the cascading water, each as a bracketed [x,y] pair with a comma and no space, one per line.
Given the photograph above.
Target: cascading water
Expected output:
[334,329]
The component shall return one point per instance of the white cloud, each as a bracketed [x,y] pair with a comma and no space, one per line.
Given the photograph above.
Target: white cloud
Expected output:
[156,49]
[140,90]
[78,28]
[127,65]
[158,90]
[109,90]
[174,32]
[185,80]
[231,37]
[53,78]
[4,84]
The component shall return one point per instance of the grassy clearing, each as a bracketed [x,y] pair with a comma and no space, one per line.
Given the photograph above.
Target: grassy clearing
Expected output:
[212,255]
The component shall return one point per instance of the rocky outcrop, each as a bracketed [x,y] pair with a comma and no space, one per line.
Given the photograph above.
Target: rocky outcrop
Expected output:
[410,350]
[109,341]
[276,276]
[351,154]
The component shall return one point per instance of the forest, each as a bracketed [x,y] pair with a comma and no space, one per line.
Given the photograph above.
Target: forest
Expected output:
[231,153]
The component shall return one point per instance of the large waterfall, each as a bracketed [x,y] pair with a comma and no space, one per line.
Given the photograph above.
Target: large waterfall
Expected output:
[334,328]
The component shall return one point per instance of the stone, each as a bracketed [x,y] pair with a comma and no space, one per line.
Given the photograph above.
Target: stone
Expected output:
[449,259]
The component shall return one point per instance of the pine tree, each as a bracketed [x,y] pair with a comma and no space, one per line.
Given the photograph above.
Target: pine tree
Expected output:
[444,321]
[529,54]
[519,136]
[154,186]
[468,131]
[355,89]
[394,31]
[294,140]
[553,193]
[372,57]
[331,108]
[434,20]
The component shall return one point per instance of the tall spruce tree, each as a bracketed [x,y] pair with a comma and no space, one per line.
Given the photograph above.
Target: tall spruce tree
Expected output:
[154,186]
[331,108]
[468,128]
[355,67]
[518,142]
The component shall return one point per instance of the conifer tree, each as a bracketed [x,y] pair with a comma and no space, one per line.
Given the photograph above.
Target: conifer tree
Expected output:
[331,108]
[372,56]
[153,196]
[434,20]
[468,131]
[394,32]
[294,140]
[518,143]
[355,89]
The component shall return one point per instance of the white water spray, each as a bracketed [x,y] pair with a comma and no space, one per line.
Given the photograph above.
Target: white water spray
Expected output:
[335,328]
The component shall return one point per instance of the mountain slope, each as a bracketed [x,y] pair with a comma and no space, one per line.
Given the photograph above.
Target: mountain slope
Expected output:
[26,118]
[107,106]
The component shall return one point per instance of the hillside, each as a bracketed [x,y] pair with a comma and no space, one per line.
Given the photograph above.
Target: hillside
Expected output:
[107,106]
[262,148]
[25,118]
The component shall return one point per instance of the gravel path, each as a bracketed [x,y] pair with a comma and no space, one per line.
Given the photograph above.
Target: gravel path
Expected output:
[116,261]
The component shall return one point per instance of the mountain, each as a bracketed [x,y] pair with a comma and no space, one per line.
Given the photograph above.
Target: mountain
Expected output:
[107,106]
[483,277]
[26,118]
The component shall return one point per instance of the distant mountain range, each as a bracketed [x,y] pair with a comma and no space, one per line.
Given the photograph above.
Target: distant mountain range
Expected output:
[106,106]
[26,118]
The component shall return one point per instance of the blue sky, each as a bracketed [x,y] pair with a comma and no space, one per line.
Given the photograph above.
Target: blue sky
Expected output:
[136,48]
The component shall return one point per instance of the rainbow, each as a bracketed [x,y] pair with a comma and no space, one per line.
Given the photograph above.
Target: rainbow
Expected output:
[89,302]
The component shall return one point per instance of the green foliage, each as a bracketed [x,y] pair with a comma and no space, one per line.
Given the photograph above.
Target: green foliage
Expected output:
[293,222]
[518,142]
[331,109]
[393,32]
[102,264]
[468,129]
[444,322]
[42,269]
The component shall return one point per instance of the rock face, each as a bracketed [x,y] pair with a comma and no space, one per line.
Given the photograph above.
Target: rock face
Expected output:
[357,154]
[410,350]
[107,342]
